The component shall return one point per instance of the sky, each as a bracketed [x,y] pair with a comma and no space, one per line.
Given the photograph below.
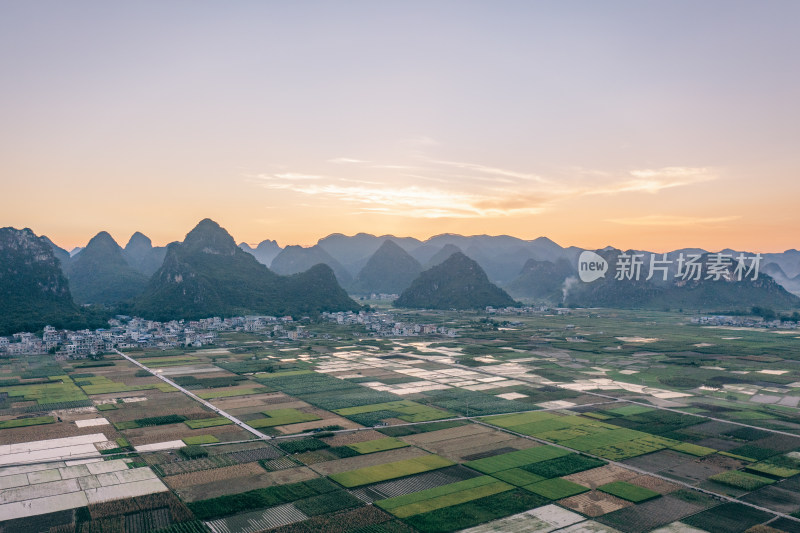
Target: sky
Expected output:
[651,125]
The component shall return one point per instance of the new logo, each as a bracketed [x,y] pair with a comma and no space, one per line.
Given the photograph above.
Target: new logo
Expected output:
[591,266]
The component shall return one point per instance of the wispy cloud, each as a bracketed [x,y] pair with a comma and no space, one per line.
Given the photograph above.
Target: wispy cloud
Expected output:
[492,171]
[425,202]
[673,220]
[655,180]
[436,188]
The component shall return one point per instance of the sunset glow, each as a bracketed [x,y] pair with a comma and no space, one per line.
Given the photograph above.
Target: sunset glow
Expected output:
[655,126]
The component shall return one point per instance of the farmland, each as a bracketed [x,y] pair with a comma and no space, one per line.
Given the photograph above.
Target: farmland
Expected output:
[514,425]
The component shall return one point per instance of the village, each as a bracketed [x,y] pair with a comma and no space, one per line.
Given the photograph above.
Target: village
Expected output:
[126,332]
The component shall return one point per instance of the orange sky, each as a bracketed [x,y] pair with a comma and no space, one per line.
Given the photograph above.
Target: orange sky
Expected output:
[655,126]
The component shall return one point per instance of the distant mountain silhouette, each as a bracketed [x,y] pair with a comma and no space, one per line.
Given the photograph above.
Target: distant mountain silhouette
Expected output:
[354,252]
[442,255]
[99,274]
[142,256]
[208,275]
[457,283]
[676,292]
[390,270]
[542,281]
[264,253]
[295,259]
[791,284]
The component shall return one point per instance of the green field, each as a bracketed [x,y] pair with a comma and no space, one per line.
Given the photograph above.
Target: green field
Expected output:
[63,389]
[693,449]
[556,489]
[150,421]
[563,466]
[24,422]
[726,374]
[517,477]
[200,439]
[373,474]
[208,422]
[741,480]
[104,385]
[780,466]
[516,459]
[444,496]
[628,491]
[406,410]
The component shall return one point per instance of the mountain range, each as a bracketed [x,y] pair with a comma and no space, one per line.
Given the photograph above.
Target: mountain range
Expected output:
[99,274]
[208,274]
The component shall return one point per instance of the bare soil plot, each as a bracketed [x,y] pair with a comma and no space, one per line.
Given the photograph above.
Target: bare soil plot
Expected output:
[460,432]
[330,421]
[200,371]
[343,439]
[489,450]
[460,442]
[183,481]
[793,483]
[487,453]
[702,469]
[173,464]
[775,497]
[56,430]
[353,463]
[343,522]
[653,483]
[728,463]
[602,475]
[78,413]
[660,460]
[409,485]
[782,443]
[315,457]
[237,447]
[539,520]
[256,480]
[594,503]
[169,432]
[723,445]
[158,403]
[153,434]
[258,407]
[238,402]
[650,515]
[711,428]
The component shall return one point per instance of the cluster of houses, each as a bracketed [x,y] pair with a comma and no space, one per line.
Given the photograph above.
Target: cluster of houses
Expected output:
[130,333]
[743,322]
[383,324]
[527,310]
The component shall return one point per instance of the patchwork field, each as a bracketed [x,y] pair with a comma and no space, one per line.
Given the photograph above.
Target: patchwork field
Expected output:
[587,421]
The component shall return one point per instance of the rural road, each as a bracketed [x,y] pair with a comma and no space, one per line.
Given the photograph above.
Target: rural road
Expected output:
[220,412]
